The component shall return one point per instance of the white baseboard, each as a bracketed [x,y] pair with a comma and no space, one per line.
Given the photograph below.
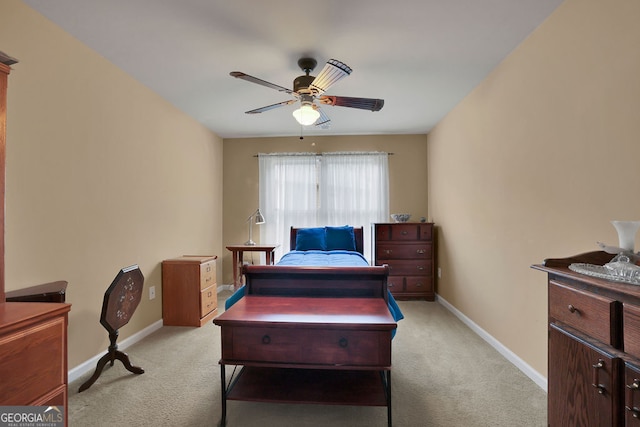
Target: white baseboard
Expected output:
[225,288]
[535,376]
[90,364]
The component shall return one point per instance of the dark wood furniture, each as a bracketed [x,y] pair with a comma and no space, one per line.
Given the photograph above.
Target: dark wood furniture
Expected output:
[357,234]
[33,335]
[189,290]
[307,350]
[368,282]
[317,281]
[409,250]
[594,346]
[47,292]
[237,252]
[120,302]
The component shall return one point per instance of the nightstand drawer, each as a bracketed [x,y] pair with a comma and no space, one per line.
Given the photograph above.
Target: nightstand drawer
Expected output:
[307,346]
[592,314]
[390,251]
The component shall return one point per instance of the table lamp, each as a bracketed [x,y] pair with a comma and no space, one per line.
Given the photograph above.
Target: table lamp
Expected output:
[258,219]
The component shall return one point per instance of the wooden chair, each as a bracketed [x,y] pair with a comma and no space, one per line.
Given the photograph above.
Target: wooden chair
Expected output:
[120,302]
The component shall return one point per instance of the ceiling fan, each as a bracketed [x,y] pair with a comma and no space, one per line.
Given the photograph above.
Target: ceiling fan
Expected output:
[309,91]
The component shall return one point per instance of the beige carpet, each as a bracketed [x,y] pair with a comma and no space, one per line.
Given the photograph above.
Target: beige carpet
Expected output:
[443,375]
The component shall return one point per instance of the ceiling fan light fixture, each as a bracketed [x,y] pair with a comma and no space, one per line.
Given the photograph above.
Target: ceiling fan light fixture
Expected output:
[306,115]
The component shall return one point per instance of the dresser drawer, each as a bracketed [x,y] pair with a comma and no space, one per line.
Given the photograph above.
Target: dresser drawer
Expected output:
[207,274]
[308,346]
[417,284]
[32,361]
[631,329]
[409,267]
[408,251]
[395,283]
[592,314]
[208,300]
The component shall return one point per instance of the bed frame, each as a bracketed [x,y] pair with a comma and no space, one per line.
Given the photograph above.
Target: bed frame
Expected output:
[364,282]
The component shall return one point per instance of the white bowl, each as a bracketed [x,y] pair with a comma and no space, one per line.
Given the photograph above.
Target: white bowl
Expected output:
[401,217]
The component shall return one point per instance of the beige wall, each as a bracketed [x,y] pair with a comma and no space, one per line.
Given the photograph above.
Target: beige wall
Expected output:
[102,173]
[407,175]
[534,163]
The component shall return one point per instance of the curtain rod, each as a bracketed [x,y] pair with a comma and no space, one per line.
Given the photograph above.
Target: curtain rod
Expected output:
[346,153]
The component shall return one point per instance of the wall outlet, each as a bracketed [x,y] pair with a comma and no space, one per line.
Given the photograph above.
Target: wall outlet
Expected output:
[152,292]
[439,273]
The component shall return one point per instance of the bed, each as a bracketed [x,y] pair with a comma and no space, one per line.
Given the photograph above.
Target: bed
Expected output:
[323,262]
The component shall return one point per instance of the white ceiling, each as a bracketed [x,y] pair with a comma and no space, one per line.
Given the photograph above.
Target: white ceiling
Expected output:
[421,56]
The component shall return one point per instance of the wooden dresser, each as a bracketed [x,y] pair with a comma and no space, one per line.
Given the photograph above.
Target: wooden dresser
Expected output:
[409,250]
[189,290]
[594,346]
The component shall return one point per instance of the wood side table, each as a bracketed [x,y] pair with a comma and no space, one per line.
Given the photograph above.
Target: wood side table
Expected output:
[333,351]
[237,252]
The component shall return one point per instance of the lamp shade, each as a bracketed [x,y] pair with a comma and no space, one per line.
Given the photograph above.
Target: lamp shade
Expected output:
[306,115]
[259,217]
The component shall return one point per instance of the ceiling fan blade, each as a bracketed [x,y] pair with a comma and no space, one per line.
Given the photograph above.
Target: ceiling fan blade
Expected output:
[370,104]
[332,72]
[324,122]
[271,107]
[243,76]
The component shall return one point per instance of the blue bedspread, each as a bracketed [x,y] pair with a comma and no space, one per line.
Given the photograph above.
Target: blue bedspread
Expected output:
[321,259]
[324,258]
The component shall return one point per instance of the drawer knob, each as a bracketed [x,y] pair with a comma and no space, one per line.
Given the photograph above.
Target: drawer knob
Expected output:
[635,411]
[420,267]
[572,309]
[404,232]
[388,251]
[596,377]
[420,251]
[343,342]
[266,339]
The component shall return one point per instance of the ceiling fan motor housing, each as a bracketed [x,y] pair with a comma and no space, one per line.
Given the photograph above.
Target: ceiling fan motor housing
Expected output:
[302,83]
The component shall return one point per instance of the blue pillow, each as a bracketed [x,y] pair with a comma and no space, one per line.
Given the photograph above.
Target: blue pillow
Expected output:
[340,238]
[311,238]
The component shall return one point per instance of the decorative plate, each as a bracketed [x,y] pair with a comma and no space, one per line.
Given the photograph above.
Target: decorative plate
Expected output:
[601,272]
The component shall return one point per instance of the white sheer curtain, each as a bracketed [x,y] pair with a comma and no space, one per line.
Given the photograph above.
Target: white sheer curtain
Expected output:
[308,190]
[288,196]
[354,190]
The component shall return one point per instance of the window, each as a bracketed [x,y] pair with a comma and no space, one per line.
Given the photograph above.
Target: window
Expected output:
[308,190]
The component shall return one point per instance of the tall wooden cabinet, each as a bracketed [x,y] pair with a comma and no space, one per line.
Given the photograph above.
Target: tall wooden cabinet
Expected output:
[189,290]
[409,250]
[594,346]
[33,336]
